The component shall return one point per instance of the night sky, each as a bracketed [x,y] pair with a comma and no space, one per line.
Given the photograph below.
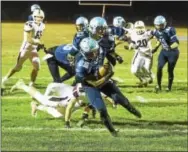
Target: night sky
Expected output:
[68,10]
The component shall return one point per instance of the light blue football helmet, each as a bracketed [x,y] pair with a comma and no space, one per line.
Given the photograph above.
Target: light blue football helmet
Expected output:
[119,21]
[89,48]
[98,26]
[160,22]
[34,7]
[81,24]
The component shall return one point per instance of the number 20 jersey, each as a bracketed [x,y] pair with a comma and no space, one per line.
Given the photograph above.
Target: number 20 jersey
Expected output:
[145,46]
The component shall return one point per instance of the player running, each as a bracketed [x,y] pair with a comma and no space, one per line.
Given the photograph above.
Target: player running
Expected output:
[33,31]
[142,60]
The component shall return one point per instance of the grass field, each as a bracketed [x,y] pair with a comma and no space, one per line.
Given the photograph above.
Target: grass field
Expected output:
[163,126]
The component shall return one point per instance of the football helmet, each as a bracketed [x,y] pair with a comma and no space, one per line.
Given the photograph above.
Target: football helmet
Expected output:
[160,22]
[89,48]
[81,24]
[34,7]
[38,15]
[119,21]
[97,26]
[139,27]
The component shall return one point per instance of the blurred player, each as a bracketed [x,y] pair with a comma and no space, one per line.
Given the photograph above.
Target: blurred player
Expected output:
[33,31]
[142,60]
[61,56]
[55,100]
[33,8]
[98,30]
[166,36]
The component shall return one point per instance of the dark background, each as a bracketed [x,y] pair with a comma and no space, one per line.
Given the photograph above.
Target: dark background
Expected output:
[176,12]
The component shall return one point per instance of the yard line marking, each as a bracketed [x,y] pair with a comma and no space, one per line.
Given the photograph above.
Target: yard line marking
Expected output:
[131,99]
[128,79]
[90,130]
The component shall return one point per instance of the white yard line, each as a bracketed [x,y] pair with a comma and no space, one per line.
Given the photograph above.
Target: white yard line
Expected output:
[126,79]
[88,129]
[131,99]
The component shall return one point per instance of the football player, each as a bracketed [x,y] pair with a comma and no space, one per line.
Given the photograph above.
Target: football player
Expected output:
[98,30]
[33,31]
[142,60]
[93,83]
[33,8]
[166,36]
[61,56]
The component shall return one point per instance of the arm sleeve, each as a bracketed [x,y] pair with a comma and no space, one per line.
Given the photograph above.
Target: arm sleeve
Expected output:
[173,37]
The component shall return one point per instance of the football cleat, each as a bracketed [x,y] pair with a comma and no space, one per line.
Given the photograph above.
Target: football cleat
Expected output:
[115,133]
[157,89]
[133,110]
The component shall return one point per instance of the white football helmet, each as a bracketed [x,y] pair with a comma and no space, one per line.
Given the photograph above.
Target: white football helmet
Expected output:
[89,48]
[38,15]
[81,24]
[98,26]
[34,7]
[139,27]
[119,21]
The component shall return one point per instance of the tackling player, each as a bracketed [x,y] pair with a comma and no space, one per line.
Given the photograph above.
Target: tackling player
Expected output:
[166,36]
[33,31]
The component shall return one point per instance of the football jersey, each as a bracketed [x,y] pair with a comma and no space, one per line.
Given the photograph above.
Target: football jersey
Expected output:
[37,30]
[144,46]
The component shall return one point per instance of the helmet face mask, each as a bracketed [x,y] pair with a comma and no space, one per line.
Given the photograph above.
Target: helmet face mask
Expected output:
[81,24]
[160,22]
[139,27]
[98,26]
[89,48]
[119,22]
[38,16]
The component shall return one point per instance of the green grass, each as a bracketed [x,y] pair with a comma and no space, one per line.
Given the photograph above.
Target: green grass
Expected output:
[163,126]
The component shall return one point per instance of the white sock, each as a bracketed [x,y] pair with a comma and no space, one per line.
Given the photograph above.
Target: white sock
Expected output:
[4,80]
[52,111]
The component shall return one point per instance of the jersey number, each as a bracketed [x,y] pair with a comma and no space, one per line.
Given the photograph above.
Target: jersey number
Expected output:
[142,43]
[67,47]
[38,35]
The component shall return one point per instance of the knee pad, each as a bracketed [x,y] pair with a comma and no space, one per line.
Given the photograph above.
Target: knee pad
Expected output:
[36,63]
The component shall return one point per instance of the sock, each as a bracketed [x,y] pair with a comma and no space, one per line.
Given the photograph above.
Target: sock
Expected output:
[4,80]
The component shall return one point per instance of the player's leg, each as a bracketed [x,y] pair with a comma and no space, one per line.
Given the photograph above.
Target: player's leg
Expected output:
[35,94]
[54,69]
[50,110]
[162,59]
[70,72]
[136,68]
[22,57]
[34,58]
[111,90]
[147,69]
[172,59]
[95,99]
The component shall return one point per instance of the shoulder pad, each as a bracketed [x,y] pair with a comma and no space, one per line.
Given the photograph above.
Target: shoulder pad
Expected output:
[28,26]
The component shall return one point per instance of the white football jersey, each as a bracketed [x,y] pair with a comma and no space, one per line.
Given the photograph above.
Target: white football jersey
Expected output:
[37,30]
[145,46]
[63,91]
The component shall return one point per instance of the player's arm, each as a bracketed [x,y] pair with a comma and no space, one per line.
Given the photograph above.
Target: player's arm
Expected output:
[173,39]
[157,45]
[103,79]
